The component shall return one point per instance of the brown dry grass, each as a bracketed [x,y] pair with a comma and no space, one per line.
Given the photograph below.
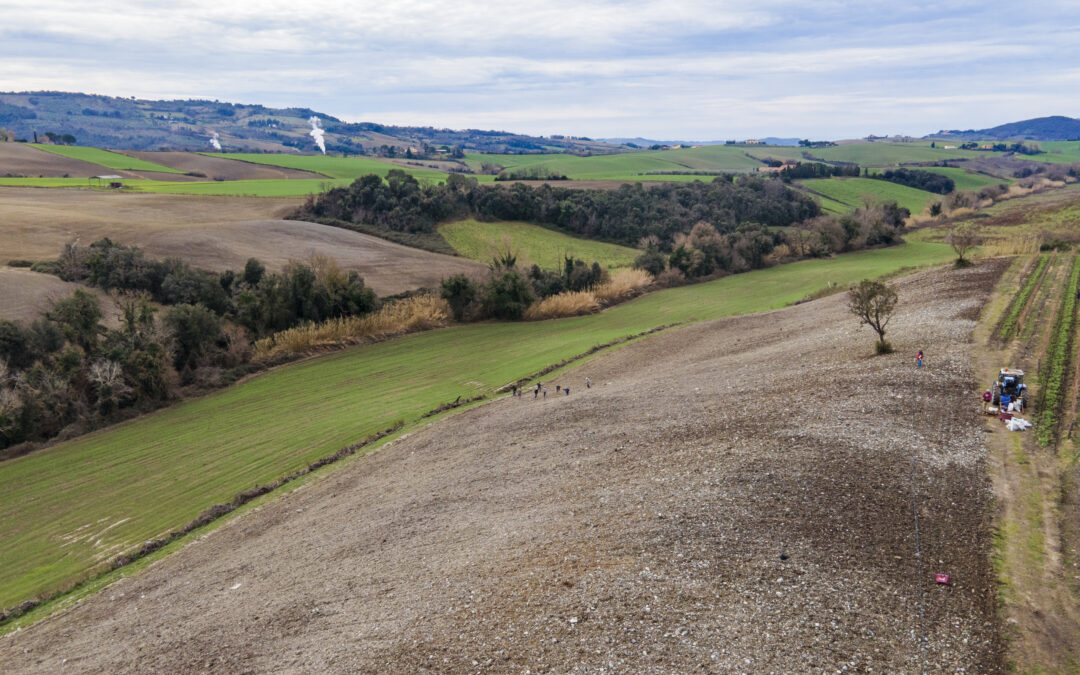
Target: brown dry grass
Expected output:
[570,303]
[411,315]
[622,285]
[25,295]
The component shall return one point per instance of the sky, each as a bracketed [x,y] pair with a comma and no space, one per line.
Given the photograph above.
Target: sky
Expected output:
[672,70]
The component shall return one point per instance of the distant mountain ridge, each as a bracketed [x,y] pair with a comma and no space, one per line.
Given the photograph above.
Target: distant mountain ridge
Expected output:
[139,124]
[1053,128]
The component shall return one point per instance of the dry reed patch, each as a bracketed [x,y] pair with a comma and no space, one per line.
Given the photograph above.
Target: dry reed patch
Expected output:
[411,315]
[622,285]
[570,303]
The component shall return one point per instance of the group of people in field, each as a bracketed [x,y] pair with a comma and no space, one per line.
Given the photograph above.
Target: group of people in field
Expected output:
[541,391]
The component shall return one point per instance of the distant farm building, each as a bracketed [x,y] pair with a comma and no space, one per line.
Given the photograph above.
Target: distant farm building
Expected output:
[753,141]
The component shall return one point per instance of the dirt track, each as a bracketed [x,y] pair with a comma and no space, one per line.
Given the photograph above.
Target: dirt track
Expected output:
[735,496]
[214,233]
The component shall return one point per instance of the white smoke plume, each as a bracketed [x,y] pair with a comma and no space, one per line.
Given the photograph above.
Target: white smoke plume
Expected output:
[214,141]
[317,133]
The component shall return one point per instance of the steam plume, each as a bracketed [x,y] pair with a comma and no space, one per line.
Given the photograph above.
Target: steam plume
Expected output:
[214,141]
[317,133]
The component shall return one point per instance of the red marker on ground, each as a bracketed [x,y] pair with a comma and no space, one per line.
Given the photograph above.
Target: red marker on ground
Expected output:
[942,578]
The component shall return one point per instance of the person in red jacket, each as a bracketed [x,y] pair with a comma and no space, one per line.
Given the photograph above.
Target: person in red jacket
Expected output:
[918,359]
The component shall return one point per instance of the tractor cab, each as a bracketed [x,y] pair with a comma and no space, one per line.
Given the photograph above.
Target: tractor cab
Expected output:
[1009,387]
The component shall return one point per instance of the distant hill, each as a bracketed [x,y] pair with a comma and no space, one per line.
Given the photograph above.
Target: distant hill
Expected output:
[1054,128]
[137,124]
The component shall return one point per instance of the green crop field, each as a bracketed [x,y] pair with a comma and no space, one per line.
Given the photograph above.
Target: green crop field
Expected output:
[533,244]
[630,166]
[850,191]
[111,160]
[869,154]
[349,168]
[68,509]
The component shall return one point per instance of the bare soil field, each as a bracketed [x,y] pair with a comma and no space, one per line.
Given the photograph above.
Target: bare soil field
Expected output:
[214,233]
[18,159]
[736,496]
[219,167]
[25,294]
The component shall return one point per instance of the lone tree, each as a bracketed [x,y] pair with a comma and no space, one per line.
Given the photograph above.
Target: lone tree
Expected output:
[873,302]
[963,239]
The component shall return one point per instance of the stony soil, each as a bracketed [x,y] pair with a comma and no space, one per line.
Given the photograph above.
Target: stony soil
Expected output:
[735,496]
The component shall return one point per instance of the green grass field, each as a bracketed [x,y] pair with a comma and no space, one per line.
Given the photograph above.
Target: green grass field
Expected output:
[631,166]
[68,509]
[1057,152]
[850,191]
[533,244]
[111,160]
[964,179]
[871,154]
[349,168]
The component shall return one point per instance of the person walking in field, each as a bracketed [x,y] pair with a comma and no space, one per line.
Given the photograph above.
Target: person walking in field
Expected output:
[536,392]
[918,359]
[567,390]
[545,392]
[588,383]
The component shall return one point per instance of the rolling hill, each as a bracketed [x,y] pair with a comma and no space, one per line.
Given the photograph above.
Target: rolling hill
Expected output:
[1053,128]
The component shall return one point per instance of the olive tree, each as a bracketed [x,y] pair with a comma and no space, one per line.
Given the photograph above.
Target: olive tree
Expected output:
[874,302]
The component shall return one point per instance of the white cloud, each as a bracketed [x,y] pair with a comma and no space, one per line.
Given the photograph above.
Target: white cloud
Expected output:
[682,68]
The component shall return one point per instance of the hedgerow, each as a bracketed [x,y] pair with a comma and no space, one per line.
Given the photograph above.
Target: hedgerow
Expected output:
[1058,357]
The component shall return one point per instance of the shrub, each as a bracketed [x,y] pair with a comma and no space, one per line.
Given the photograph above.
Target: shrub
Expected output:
[883,347]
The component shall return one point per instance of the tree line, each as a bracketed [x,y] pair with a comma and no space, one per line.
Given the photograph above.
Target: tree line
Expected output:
[624,215]
[920,180]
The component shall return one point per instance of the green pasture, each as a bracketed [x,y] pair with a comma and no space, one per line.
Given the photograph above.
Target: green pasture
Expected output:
[1057,152]
[965,180]
[67,510]
[349,168]
[630,166]
[869,154]
[111,160]
[850,191]
[533,244]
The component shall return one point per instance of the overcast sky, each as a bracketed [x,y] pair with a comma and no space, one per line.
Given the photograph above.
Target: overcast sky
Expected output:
[671,70]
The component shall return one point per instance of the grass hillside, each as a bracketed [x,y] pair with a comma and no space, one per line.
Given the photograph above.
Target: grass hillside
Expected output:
[1058,152]
[870,154]
[533,244]
[850,192]
[964,179]
[70,508]
[111,160]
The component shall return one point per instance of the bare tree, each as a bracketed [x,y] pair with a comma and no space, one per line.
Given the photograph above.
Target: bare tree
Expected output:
[963,239]
[874,302]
